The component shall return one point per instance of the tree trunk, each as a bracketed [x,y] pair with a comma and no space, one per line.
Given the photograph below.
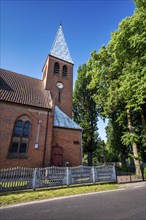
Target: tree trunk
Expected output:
[123,158]
[134,146]
[90,158]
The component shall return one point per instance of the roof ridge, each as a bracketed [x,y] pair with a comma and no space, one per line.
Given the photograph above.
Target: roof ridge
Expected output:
[20,74]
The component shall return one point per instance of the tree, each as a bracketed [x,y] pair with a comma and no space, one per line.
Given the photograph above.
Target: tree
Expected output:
[141,4]
[114,143]
[85,112]
[118,73]
[130,47]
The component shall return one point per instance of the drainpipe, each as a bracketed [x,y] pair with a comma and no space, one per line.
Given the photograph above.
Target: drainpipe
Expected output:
[45,138]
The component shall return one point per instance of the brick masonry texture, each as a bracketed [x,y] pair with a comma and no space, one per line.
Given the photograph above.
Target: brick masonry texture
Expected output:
[68,139]
[51,80]
[65,138]
[9,114]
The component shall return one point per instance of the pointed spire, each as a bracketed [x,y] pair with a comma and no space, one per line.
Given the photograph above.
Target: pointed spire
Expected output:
[59,48]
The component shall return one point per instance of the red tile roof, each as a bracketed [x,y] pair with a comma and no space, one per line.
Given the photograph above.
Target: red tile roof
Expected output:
[18,88]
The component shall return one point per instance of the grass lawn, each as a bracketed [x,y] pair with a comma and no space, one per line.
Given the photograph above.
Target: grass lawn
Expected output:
[15,197]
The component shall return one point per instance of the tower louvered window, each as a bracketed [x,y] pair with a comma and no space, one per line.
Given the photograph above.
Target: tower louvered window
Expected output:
[56,68]
[64,71]
[20,137]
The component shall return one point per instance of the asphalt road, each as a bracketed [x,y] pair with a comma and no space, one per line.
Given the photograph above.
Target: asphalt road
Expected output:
[123,204]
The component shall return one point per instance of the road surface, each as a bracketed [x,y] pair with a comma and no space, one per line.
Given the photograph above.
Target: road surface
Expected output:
[122,204]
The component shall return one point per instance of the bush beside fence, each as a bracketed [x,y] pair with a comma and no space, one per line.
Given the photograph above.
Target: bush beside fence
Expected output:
[26,178]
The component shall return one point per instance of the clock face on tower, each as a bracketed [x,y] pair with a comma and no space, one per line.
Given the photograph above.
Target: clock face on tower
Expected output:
[59,85]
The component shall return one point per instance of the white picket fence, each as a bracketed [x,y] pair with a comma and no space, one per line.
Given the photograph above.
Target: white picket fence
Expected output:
[30,178]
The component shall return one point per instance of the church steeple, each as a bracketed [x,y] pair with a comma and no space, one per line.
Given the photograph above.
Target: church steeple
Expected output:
[58,74]
[59,48]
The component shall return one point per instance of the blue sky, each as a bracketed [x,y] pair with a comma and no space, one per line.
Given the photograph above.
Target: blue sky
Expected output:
[28,29]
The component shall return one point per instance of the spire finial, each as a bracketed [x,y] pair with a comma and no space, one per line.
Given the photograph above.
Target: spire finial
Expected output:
[60,23]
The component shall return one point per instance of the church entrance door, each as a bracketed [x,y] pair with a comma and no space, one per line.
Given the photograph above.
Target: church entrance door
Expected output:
[57,154]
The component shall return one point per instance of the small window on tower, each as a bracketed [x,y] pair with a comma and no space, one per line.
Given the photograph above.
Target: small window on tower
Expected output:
[56,68]
[76,142]
[64,71]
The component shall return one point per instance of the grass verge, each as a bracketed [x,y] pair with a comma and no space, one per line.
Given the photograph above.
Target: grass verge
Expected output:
[15,197]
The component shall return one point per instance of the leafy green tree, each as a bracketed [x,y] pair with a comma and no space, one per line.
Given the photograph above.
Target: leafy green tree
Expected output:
[141,4]
[118,73]
[100,154]
[85,112]
[130,45]
[114,144]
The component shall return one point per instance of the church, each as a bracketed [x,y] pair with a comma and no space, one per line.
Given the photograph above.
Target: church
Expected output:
[36,126]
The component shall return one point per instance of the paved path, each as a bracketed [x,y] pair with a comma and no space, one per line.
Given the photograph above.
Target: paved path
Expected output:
[131,185]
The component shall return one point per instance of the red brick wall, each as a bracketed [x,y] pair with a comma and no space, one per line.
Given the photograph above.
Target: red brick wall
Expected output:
[50,83]
[62,137]
[8,115]
[65,138]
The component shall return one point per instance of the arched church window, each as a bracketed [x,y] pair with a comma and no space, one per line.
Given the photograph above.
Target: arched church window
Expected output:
[20,137]
[64,71]
[56,68]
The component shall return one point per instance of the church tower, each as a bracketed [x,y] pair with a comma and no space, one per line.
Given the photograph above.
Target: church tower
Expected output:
[58,73]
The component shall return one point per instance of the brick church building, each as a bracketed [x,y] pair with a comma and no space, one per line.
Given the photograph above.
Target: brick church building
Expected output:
[36,126]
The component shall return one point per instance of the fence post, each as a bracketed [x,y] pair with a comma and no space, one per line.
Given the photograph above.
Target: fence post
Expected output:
[93,174]
[114,174]
[67,176]
[34,179]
